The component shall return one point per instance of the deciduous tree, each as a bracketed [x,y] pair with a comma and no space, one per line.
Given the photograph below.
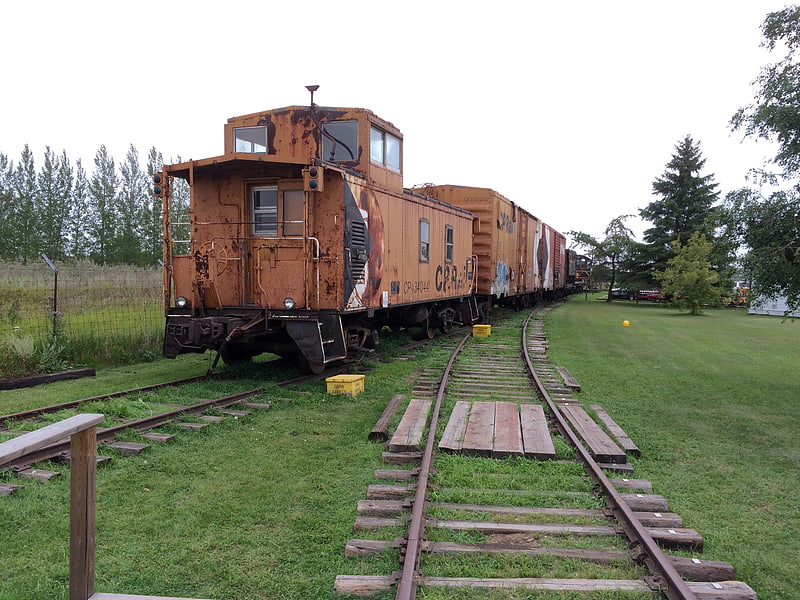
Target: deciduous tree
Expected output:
[689,280]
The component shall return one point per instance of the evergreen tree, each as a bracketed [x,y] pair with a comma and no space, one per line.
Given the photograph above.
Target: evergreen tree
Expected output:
[80,218]
[54,190]
[153,211]
[103,194]
[23,234]
[6,195]
[689,279]
[686,205]
[131,210]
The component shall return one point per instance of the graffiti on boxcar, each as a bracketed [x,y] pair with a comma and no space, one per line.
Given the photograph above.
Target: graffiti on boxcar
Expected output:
[500,283]
[505,223]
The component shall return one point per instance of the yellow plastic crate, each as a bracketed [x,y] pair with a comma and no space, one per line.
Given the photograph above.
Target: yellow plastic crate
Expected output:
[351,385]
[481,330]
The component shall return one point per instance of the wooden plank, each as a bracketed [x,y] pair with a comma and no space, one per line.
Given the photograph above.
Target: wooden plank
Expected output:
[361,585]
[82,513]
[569,380]
[105,596]
[639,485]
[616,431]
[556,585]
[480,430]
[507,431]
[408,435]
[128,448]
[453,436]
[381,508]
[536,438]
[35,440]
[530,528]
[380,433]
[722,590]
[596,556]
[355,548]
[600,446]
[32,380]
[396,474]
[646,502]
[6,489]
[378,491]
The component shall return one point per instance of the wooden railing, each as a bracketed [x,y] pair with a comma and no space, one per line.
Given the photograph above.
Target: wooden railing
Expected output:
[83,466]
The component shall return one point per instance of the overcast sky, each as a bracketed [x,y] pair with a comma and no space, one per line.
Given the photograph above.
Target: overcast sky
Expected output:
[570,109]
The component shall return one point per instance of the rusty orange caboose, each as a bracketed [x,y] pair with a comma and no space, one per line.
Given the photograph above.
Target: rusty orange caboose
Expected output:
[304,241]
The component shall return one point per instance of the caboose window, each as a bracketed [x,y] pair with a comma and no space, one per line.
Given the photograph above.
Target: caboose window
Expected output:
[250,139]
[293,212]
[264,200]
[384,148]
[448,243]
[341,139]
[424,241]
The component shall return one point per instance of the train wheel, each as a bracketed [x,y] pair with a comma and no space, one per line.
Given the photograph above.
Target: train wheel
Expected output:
[428,329]
[233,355]
[315,367]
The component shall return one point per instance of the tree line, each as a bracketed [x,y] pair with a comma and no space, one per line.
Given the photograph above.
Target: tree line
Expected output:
[109,216]
[698,240]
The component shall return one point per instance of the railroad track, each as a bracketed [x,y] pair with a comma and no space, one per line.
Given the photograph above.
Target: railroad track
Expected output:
[509,482]
[193,415]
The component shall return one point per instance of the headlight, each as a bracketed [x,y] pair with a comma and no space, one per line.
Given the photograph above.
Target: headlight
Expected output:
[288,303]
[181,302]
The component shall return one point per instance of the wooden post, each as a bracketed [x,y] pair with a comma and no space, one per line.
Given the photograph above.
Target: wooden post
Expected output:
[83,467]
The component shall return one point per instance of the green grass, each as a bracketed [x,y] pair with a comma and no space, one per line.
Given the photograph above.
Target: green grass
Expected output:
[713,403]
[262,507]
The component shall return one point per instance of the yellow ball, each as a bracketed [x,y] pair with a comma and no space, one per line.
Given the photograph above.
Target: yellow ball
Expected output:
[626,323]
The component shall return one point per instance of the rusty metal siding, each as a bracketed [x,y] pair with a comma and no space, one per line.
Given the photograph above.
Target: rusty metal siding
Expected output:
[393,273]
[495,241]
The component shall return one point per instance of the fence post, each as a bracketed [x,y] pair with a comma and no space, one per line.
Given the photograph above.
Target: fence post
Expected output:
[83,465]
[55,293]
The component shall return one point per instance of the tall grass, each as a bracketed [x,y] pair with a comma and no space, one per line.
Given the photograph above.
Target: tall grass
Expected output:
[102,316]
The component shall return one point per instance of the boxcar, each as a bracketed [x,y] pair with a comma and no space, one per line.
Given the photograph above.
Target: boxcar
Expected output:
[305,243]
[520,259]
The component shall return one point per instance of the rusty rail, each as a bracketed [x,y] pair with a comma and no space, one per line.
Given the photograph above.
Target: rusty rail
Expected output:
[666,578]
[58,448]
[407,584]
[36,412]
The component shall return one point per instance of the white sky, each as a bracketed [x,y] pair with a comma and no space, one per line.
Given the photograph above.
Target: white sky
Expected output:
[570,109]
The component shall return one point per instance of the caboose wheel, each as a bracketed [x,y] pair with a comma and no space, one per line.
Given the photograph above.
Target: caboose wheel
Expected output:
[315,367]
[428,329]
[232,355]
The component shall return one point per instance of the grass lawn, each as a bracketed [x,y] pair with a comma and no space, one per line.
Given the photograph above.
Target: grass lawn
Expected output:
[713,401]
[261,507]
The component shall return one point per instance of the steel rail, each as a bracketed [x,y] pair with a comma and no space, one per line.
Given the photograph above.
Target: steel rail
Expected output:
[667,578]
[410,552]
[103,435]
[35,412]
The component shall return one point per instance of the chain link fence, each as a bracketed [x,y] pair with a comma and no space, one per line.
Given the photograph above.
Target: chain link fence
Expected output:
[55,316]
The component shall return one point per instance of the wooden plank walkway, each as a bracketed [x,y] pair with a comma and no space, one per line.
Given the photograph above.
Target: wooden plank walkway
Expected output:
[499,430]
[600,446]
[616,431]
[408,435]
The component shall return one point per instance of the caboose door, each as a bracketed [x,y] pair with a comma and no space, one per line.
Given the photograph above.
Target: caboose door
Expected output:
[277,249]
